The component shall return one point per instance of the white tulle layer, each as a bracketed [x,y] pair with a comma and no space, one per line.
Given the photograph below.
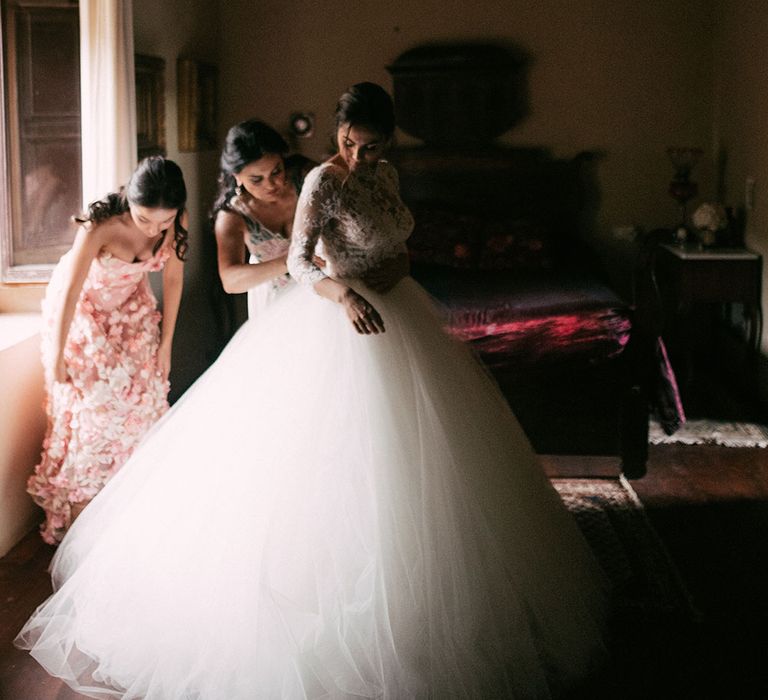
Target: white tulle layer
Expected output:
[262,295]
[327,515]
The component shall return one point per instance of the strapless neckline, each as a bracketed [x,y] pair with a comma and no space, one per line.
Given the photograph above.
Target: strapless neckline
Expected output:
[155,249]
[108,256]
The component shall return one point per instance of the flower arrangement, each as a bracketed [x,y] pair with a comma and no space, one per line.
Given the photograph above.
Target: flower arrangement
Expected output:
[709,218]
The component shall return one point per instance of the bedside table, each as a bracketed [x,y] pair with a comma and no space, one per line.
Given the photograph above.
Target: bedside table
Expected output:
[689,276]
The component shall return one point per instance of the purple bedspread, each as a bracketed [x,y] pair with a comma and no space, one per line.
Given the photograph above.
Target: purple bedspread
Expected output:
[517,320]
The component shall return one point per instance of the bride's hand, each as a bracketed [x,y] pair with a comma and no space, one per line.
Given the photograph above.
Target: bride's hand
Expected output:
[364,317]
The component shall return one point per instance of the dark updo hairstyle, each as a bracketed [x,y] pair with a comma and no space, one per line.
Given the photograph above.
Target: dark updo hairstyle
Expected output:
[157,183]
[368,105]
[246,142]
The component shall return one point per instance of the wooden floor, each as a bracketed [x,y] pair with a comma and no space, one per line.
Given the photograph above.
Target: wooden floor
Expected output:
[709,505]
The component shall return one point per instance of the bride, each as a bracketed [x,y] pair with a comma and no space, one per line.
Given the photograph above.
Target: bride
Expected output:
[343,506]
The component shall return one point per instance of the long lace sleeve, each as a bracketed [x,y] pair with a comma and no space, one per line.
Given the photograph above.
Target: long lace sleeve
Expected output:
[315,211]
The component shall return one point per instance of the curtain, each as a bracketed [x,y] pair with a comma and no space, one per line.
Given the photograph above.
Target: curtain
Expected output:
[108,96]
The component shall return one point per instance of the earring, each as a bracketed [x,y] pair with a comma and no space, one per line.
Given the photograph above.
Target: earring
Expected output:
[239,189]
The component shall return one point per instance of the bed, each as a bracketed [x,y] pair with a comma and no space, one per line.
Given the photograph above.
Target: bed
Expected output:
[498,243]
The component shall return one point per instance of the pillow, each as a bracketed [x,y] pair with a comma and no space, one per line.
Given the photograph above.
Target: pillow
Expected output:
[445,238]
[467,241]
[515,245]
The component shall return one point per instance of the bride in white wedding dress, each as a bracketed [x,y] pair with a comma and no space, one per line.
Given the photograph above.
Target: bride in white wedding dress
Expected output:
[342,507]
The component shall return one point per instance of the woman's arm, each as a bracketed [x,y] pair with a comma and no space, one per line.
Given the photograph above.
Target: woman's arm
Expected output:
[238,276]
[315,212]
[88,241]
[173,283]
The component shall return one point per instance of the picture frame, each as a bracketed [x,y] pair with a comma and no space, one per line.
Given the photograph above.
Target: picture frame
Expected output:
[150,105]
[197,98]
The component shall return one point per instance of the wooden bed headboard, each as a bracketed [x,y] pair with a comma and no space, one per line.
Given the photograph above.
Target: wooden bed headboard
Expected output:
[458,99]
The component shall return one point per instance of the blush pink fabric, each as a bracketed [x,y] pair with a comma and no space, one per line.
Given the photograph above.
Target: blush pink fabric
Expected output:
[115,392]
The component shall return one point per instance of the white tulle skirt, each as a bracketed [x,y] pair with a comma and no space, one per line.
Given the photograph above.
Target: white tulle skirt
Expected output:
[262,295]
[327,515]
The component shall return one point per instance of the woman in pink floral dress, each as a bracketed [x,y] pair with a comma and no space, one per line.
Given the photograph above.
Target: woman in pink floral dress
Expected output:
[105,353]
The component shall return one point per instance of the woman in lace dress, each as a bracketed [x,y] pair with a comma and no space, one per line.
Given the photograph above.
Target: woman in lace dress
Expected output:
[342,507]
[259,187]
[105,356]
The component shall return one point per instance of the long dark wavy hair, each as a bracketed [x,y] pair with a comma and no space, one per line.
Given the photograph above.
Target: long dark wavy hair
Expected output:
[246,142]
[157,183]
[368,105]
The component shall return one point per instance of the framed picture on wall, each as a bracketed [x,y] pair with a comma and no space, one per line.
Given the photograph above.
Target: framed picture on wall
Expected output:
[150,105]
[197,96]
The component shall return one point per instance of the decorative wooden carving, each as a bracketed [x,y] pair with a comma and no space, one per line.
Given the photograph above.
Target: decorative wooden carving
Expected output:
[455,94]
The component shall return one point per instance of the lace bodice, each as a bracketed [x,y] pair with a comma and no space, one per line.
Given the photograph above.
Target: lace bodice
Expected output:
[264,243]
[355,221]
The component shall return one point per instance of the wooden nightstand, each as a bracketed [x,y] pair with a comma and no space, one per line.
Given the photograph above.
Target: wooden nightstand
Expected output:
[688,279]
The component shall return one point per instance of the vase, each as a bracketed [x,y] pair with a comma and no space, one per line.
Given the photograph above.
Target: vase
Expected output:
[707,238]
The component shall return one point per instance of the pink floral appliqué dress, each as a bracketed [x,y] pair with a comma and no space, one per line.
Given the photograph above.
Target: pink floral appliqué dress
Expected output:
[115,392]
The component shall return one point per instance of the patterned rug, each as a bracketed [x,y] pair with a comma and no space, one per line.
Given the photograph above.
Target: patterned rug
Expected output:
[615,524]
[711,432]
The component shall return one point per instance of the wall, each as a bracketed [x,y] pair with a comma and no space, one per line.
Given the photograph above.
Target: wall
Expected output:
[740,131]
[623,77]
[21,297]
[22,428]
[173,29]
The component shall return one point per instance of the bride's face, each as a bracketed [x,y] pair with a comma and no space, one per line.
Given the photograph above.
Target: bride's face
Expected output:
[264,178]
[360,146]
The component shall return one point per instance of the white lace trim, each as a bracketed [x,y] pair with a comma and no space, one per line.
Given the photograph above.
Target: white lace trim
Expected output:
[359,221]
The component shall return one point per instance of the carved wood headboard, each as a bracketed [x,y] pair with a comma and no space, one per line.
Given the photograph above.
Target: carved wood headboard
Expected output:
[458,99]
